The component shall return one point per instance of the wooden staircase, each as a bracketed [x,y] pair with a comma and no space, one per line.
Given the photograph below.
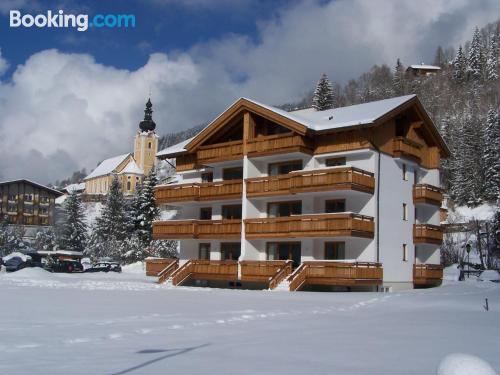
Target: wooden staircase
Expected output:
[164,274]
[280,275]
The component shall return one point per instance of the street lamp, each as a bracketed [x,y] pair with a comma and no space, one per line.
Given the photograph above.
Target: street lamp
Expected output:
[467,248]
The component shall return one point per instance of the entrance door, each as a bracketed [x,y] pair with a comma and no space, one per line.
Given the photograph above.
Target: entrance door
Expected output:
[284,251]
[230,250]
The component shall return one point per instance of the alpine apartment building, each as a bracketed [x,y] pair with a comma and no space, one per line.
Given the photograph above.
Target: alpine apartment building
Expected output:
[347,198]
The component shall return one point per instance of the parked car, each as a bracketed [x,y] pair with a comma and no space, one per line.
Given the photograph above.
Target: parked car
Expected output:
[67,265]
[105,267]
[15,264]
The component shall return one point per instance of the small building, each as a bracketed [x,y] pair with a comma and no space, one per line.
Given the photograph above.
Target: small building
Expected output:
[29,204]
[423,70]
[130,168]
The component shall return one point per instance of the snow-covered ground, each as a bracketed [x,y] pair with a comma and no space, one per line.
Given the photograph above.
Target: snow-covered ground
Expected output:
[127,324]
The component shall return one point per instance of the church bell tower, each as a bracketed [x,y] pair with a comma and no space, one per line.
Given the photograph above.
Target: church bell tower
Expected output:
[146,141]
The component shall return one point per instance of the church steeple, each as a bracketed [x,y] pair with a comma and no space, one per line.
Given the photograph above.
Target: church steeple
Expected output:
[148,124]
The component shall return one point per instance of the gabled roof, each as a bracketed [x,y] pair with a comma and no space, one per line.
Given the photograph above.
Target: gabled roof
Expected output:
[107,166]
[74,187]
[132,168]
[53,191]
[311,120]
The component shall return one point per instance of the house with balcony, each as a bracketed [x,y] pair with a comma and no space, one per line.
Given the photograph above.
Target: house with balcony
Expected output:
[341,199]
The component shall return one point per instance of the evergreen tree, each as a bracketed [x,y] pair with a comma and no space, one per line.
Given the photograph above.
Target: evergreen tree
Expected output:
[492,63]
[492,155]
[323,94]
[45,240]
[459,66]
[475,62]
[147,208]
[440,58]
[398,81]
[74,229]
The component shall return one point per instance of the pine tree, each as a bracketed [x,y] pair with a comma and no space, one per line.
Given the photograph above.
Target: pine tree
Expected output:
[45,240]
[492,62]
[323,94]
[147,208]
[459,66]
[492,155]
[440,58]
[476,54]
[74,228]
[398,82]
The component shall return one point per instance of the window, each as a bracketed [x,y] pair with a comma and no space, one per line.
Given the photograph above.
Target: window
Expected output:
[206,213]
[405,212]
[230,250]
[149,144]
[405,173]
[405,253]
[335,205]
[232,173]
[128,185]
[204,251]
[284,251]
[207,177]
[334,250]
[44,199]
[43,211]
[415,177]
[335,162]
[231,212]
[11,207]
[28,197]
[275,169]
[28,210]
[402,124]
[12,197]
[279,209]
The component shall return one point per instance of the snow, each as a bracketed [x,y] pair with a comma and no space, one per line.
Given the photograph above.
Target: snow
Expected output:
[451,273]
[135,268]
[426,67]
[61,199]
[127,323]
[132,168]
[107,166]
[75,187]
[92,212]
[24,257]
[464,364]
[354,115]
[489,275]
[463,214]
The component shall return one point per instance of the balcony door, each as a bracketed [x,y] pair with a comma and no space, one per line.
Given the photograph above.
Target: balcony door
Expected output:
[276,169]
[230,250]
[280,209]
[334,250]
[284,251]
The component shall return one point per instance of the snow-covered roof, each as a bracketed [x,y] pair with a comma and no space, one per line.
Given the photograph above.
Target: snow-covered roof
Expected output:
[178,148]
[426,67]
[75,187]
[343,117]
[107,166]
[56,192]
[132,168]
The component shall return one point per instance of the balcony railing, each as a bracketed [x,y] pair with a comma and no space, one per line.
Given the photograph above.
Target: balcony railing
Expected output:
[425,193]
[230,189]
[206,270]
[155,265]
[427,233]
[427,274]
[220,152]
[407,147]
[309,181]
[279,143]
[321,225]
[336,273]
[180,229]
[261,271]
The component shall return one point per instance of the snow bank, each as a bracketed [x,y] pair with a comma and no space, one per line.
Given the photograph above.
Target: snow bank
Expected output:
[24,257]
[463,214]
[30,273]
[137,267]
[464,364]
[489,275]
[451,273]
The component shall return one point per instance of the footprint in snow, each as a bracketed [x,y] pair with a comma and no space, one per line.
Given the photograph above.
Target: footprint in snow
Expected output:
[115,336]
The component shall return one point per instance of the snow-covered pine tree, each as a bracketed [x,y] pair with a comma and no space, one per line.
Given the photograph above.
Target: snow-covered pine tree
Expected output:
[440,58]
[398,81]
[492,62]
[475,63]
[45,239]
[163,249]
[459,66]
[74,228]
[492,155]
[147,209]
[323,94]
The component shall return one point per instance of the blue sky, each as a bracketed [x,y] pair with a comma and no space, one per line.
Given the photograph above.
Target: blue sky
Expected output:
[162,26]
[70,99]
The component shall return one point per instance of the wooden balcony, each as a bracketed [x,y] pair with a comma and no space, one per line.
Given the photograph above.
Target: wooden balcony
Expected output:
[220,152]
[311,181]
[406,147]
[169,270]
[219,190]
[427,194]
[270,272]
[336,273]
[427,233]
[278,144]
[182,229]
[155,265]
[321,225]
[206,270]
[427,274]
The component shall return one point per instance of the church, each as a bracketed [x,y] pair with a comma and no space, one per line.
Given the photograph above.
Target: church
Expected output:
[130,168]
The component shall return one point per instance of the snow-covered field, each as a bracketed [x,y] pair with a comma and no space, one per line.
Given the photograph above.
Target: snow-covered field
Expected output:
[127,324]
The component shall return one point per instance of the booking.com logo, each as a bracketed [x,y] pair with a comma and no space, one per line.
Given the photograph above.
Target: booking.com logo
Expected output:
[78,21]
